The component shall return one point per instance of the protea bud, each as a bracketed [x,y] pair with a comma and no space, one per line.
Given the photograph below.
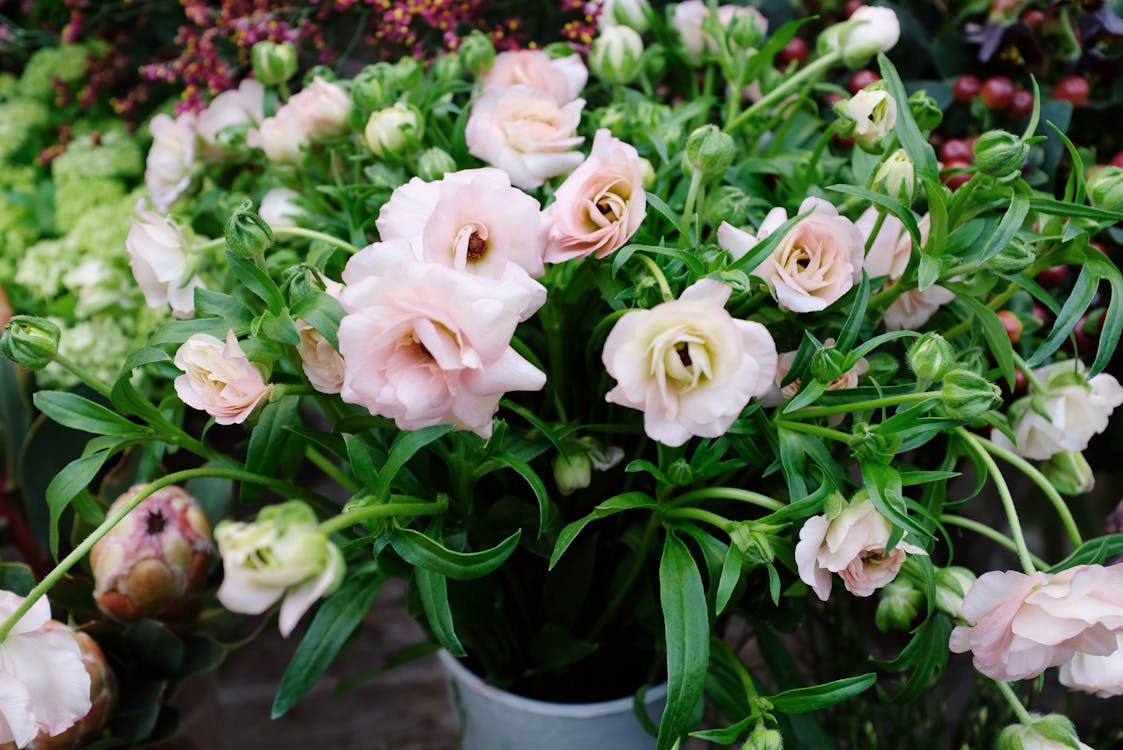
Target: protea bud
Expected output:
[30,341]
[155,560]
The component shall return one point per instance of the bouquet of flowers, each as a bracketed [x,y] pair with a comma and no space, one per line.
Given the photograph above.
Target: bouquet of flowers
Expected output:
[601,353]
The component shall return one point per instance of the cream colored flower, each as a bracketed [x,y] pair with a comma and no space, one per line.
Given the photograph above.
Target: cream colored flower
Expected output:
[218,379]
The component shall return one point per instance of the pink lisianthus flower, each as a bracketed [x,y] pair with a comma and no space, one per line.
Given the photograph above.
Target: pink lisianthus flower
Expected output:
[473,221]
[852,545]
[218,379]
[321,362]
[242,106]
[562,78]
[690,15]
[688,365]
[1099,675]
[814,265]
[1020,625]
[600,205]
[44,685]
[425,344]
[317,112]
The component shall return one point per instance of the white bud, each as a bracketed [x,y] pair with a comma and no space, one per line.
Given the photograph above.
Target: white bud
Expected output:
[617,54]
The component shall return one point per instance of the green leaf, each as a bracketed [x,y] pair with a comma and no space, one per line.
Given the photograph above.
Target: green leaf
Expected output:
[803,700]
[267,442]
[362,464]
[403,449]
[993,330]
[730,575]
[17,578]
[323,312]
[1092,552]
[71,410]
[537,486]
[425,552]
[655,202]
[1054,207]
[894,207]
[926,654]
[1081,296]
[125,396]
[687,625]
[611,506]
[433,590]
[67,484]
[852,328]
[212,304]
[257,281]
[1112,324]
[1008,228]
[727,735]
[912,140]
[883,483]
[331,628]
[691,261]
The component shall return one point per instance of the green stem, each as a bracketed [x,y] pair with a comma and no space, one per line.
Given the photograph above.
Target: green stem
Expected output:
[112,520]
[983,530]
[326,465]
[965,325]
[1041,481]
[875,403]
[808,173]
[699,514]
[416,507]
[311,234]
[814,429]
[1034,381]
[209,245]
[1011,698]
[691,197]
[876,230]
[83,374]
[1007,499]
[628,583]
[813,70]
[660,278]
[729,493]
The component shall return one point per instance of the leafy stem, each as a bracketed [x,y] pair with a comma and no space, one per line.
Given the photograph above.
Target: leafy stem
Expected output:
[983,530]
[814,429]
[728,493]
[413,506]
[875,403]
[813,70]
[1016,704]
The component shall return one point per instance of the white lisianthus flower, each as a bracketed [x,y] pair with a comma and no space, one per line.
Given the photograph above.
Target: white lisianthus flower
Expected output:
[814,265]
[279,209]
[874,114]
[44,685]
[282,555]
[688,365]
[1070,411]
[242,106]
[171,160]
[870,31]
[158,257]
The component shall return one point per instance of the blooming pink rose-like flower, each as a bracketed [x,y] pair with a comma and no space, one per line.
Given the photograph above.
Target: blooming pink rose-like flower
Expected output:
[158,258]
[281,137]
[321,108]
[1076,409]
[688,365]
[321,362]
[562,78]
[44,686]
[242,106]
[171,160]
[817,262]
[474,221]
[600,205]
[1101,676]
[526,133]
[218,379]
[690,15]
[424,344]
[853,546]
[1020,625]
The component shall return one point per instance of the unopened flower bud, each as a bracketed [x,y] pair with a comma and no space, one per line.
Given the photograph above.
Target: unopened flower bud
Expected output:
[870,31]
[930,357]
[30,342]
[680,473]
[827,364]
[477,53]
[755,545]
[648,173]
[727,203]
[655,61]
[1017,256]
[1105,188]
[393,132]
[247,234]
[630,13]
[764,739]
[154,562]
[968,395]
[896,177]
[871,116]
[617,55]
[1000,154]
[952,584]
[273,64]
[925,111]
[1052,732]
[405,73]
[323,72]
[572,472]
[898,605]
[434,163]
[709,150]
[447,68]
[367,90]
[1069,473]
[744,31]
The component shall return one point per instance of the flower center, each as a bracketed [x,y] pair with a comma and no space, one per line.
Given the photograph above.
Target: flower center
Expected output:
[155,522]
[471,244]
[477,246]
[607,208]
[683,352]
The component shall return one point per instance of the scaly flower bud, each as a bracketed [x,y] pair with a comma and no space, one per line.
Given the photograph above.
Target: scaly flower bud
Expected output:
[447,68]
[930,357]
[617,55]
[392,132]
[968,395]
[1017,256]
[744,31]
[247,234]
[1105,188]
[630,13]
[1070,473]
[367,90]
[709,150]
[896,177]
[764,739]
[1000,154]
[828,364]
[155,560]
[273,64]
[30,342]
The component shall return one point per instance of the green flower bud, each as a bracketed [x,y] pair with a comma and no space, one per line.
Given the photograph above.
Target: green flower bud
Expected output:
[709,150]
[572,472]
[320,71]
[617,55]
[434,163]
[1070,473]
[655,61]
[1017,256]
[727,203]
[30,342]
[477,53]
[764,739]
[558,50]
[896,177]
[1000,154]
[393,132]
[648,173]
[925,110]
[680,472]
[247,234]
[828,364]
[952,584]
[870,31]
[898,605]
[1052,732]
[405,73]
[447,68]
[630,13]
[744,32]
[930,357]
[968,395]
[869,116]
[1105,188]
[273,64]
[367,90]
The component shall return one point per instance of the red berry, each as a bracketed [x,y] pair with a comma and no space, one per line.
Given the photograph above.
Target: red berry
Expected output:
[966,88]
[1117,161]
[1012,323]
[953,179]
[861,79]
[1051,278]
[956,150]
[1099,246]
[833,98]
[1022,103]
[851,6]
[997,93]
[1020,382]
[1072,89]
[795,51]
[1033,18]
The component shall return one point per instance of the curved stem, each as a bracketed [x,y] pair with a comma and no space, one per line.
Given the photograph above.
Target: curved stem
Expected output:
[983,530]
[326,465]
[729,493]
[112,520]
[1007,499]
[311,234]
[1011,698]
[660,278]
[417,507]
[875,403]
[784,89]
[691,198]
[699,514]
[209,245]
[876,229]
[814,429]
[83,374]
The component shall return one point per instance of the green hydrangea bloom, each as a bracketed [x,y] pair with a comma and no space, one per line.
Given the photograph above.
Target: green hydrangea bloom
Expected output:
[67,63]
[75,199]
[101,345]
[20,178]
[116,155]
[42,266]
[9,86]
[19,119]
